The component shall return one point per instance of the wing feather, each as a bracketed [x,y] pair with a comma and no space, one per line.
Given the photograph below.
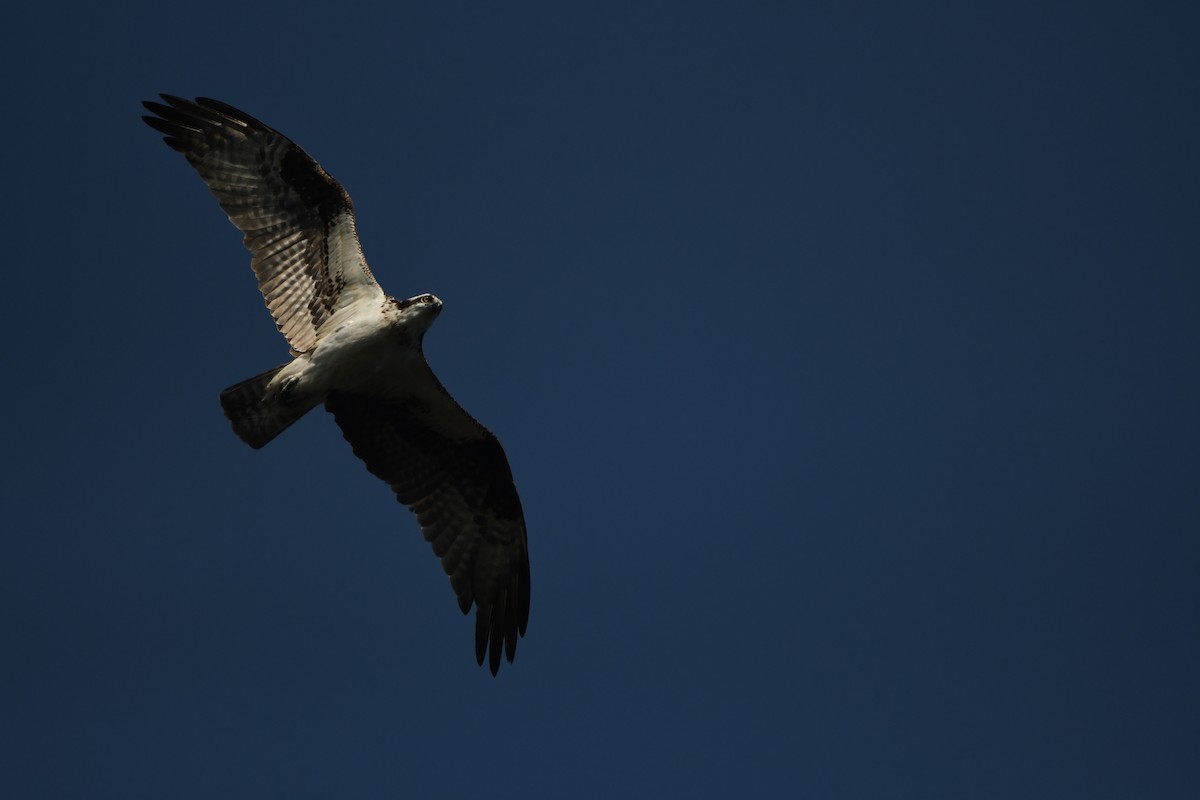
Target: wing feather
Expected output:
[452,473]
[298,222]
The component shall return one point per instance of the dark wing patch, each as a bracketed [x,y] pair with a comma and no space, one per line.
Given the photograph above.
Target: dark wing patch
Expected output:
[297,220]
[463,495]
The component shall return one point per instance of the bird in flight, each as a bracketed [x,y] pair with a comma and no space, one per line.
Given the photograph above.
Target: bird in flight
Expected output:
[359,352]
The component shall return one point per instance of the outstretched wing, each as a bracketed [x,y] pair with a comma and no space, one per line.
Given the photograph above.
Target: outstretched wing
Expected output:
[452,473]
[297,220]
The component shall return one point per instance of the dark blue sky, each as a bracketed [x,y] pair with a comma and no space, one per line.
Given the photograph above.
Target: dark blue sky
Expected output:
[846,359]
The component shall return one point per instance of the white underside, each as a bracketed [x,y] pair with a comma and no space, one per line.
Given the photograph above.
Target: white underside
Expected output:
[369,345]
[372,348]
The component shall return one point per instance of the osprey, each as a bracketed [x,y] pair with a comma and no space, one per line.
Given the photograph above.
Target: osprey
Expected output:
[359,352]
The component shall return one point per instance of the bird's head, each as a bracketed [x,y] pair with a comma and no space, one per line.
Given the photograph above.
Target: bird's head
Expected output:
[419,312]
[425,303]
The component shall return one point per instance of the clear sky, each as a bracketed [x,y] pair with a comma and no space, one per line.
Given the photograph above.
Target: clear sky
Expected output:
[845,355]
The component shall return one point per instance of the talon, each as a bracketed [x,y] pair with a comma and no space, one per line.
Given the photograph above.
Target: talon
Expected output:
[287,388]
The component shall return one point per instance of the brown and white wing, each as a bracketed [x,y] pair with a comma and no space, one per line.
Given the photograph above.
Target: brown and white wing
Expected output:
[452,473]
[297,220]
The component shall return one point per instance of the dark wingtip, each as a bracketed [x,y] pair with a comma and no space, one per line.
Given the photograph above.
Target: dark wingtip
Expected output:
[171,102]
[481,637]
[489,637]
[501,624]
[160,125]
[167,119]
[497,646]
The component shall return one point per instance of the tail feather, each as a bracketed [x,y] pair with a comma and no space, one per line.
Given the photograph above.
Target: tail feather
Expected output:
[257,420]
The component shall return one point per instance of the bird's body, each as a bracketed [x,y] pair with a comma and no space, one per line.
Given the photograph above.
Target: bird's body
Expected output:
[359,352]
[371,346]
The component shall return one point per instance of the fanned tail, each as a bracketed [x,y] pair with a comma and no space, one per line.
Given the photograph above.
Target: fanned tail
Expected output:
[257,420]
